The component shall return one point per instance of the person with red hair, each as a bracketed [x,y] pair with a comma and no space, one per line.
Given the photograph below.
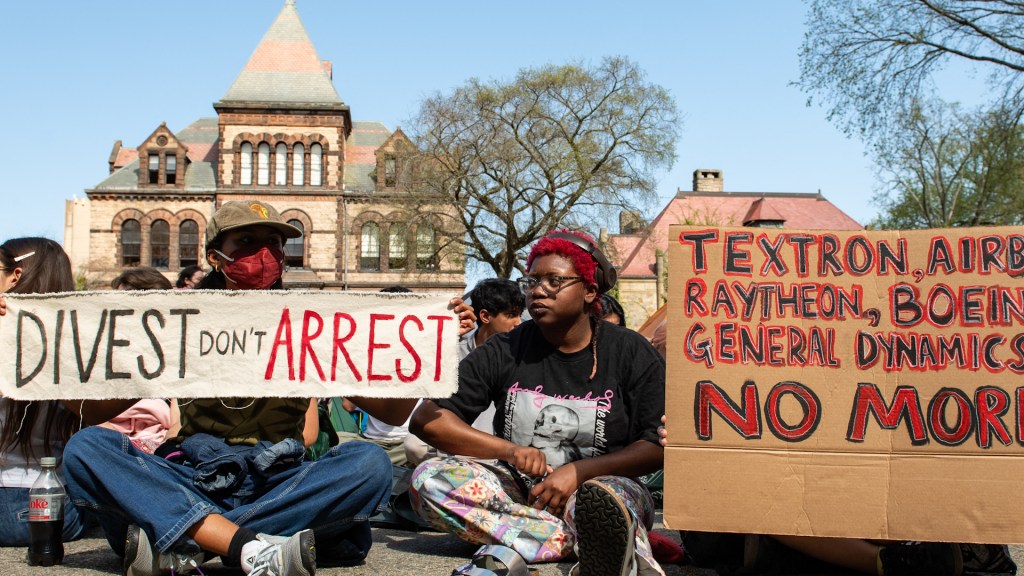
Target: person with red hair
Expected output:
[578,403]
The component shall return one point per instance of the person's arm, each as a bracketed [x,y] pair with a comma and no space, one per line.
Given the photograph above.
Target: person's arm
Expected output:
[98,411]
[639,458]
[445,431]
[311,429]
[175,426]
[467,318]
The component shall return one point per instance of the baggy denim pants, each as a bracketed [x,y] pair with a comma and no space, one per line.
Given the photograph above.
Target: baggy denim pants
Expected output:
[109,477]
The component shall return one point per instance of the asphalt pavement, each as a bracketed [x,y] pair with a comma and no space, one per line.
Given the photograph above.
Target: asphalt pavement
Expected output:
[395,553]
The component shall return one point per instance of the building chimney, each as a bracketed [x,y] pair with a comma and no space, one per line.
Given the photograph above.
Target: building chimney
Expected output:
[707,181]
[112,160]
[630,222]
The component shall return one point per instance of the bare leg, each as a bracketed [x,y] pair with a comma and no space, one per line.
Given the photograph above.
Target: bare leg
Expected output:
[213,533]
[852,553]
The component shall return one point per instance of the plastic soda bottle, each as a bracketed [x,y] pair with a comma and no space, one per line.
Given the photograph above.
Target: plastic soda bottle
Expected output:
[46,517]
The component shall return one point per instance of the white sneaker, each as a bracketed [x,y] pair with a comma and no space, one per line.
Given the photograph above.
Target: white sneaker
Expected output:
[293,555]
[140,559]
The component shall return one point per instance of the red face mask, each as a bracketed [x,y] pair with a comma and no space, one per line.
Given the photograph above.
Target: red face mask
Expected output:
[254,267]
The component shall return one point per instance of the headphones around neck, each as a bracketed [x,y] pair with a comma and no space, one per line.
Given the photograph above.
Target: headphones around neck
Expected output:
[605,275]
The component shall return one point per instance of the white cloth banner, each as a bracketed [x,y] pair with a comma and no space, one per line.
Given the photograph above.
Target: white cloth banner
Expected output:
[210,344]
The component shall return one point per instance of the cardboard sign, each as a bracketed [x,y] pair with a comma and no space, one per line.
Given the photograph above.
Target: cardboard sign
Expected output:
[857,384]
[209,344]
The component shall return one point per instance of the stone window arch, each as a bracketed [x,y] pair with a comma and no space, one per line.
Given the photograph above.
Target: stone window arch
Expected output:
[245,162]
[188,243]
[369,246]
[316,164]
[263,164]
[426,246]
[160,244]
[130,242]
[299,164]
[398,246]
[296,250]
[280,164]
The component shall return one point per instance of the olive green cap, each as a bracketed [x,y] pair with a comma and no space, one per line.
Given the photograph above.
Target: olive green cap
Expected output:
[239,213]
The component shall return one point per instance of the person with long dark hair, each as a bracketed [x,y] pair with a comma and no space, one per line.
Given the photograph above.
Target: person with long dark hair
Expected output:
[32,430]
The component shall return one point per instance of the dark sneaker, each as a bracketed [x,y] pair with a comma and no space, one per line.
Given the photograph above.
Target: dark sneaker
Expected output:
[293,555]
[989,559]
[922,559]
[141,559]
[604,532]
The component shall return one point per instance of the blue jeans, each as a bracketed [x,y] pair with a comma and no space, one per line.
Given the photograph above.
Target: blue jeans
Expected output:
[14,518]
[335,495]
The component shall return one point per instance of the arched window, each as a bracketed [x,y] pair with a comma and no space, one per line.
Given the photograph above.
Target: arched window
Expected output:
[396,247]
[299,164]
[295,248]
[263,164]
[188,244]
[426,249]
[369,247]
[246,176]
[131,243]
[281,164]
[160,244]
[316,153]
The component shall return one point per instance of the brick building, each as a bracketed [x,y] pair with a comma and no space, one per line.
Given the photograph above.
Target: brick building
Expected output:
[639,251]
[282,135]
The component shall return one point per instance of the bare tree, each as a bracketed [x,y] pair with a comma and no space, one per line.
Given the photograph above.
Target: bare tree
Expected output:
[551,148]
[946,168]
[869,59]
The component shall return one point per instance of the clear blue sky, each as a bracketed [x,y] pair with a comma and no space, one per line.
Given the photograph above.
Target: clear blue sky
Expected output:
[80,75]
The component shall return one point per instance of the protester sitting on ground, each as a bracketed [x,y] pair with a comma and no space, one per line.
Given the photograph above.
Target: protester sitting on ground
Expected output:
[611,310]
[752,554]
[158,518]
[32,430]
[190,277]
[566,386]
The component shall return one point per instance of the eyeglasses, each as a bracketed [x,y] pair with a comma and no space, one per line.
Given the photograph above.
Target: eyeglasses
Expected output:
[551,283]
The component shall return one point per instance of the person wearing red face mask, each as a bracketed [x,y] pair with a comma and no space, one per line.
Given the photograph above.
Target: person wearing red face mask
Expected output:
[164,516]
[245,247]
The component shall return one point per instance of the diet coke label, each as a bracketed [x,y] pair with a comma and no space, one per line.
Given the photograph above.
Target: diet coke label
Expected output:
[45,508]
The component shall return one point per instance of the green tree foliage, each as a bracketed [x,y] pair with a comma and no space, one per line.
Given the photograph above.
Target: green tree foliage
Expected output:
[552,147]
[946,168]
[868,60]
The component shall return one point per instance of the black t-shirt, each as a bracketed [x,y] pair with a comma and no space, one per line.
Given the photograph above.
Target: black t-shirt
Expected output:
[544,398]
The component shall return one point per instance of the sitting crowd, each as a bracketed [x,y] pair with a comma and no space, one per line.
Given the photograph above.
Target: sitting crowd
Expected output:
[538,452]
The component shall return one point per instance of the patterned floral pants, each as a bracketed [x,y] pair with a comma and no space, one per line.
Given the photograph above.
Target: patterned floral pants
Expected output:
[483,504]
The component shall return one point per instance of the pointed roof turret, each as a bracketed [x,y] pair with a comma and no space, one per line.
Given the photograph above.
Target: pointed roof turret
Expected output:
[284,69]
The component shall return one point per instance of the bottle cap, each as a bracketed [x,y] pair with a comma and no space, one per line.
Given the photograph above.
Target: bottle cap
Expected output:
[47,461]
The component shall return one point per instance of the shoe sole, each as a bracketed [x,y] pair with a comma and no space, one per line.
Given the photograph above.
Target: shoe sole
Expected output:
[604,532]
[133,565]
[307,547]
